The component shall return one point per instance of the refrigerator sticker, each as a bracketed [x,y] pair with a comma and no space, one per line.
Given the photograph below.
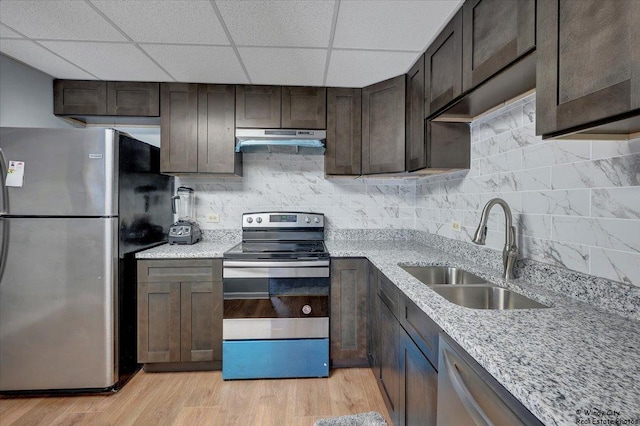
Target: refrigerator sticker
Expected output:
[15,174]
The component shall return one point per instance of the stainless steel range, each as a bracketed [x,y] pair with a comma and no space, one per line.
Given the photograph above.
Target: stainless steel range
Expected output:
[276,298]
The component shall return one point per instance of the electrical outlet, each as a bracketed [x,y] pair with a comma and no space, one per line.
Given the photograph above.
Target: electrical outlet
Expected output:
[455,225]
[213,218]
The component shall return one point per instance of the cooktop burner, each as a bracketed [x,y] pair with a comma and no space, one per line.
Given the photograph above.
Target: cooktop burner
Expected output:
[275,249]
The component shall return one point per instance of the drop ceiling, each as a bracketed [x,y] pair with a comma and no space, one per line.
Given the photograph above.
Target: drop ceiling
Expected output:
[343,43]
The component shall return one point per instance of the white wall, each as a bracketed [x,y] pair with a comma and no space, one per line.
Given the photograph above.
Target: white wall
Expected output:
[26,96]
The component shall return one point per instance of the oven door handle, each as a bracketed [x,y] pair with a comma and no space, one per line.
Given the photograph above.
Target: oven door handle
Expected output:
[275,272]
[272,264]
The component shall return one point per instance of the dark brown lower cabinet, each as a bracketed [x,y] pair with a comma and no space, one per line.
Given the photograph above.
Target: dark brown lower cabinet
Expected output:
[388,373]
[179,311]
[349,312]
[418,385]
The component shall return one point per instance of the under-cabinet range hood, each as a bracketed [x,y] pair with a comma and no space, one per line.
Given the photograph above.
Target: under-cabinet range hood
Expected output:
[287,141]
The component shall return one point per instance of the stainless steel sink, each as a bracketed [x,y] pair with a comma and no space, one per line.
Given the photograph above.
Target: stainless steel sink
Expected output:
[486,297]
[439,275]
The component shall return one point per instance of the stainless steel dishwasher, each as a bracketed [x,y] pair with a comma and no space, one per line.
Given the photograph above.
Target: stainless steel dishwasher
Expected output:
[469,395]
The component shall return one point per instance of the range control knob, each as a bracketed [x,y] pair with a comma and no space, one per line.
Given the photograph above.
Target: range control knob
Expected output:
[316,220]
[307,220]
[306,309]
[249,219]
[259,219]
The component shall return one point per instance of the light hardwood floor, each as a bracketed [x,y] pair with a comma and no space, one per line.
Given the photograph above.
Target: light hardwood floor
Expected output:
[203,398]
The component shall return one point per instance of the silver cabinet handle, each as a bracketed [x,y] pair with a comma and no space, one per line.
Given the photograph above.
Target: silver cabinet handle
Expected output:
[474,410]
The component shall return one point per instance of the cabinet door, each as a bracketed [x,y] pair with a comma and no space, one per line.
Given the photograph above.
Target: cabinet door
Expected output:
[201,305]
[348,323]
[79,97]
[383,126]
[415,150]
[258,106]
[128,98]
[179,128]
[374,327]
[216,128]
[588,68]
[422,329]
[344,132]
[443,67]
[448,145]
[389,373]
[419,385]
[496,33]
[304,108]
[158,322]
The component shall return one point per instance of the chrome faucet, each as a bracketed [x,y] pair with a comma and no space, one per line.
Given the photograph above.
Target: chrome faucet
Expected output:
[510,251]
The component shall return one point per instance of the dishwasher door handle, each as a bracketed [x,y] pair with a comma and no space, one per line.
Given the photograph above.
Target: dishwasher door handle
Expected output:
[469,402]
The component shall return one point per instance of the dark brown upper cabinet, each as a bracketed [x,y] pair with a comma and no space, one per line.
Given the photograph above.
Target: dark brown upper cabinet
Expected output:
[275,107]
[495,34]
[443,67]
[79,97]
[197,129]
[130,98]
[448,146]
[344,132]
[106,98]
[415,149]
[258,106]
[179,128]
[588,70]
[304,107]
[383,126]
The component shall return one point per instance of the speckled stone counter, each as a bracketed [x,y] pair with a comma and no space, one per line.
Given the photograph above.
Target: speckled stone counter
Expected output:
[561,362]
[199,250]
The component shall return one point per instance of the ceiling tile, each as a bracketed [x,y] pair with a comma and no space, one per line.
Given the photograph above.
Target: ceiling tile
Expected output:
[285,23]
[287,67]
[393,25]
[109,61]
[60,19]
[352,68]
[198,64]
[6,32]
[186,21]
[40,58]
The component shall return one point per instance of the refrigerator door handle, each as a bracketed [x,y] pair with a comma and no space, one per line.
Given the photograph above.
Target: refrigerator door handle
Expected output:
[4,211]
[5,190]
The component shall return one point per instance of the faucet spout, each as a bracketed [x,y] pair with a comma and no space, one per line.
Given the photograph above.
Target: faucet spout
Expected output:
[510,251]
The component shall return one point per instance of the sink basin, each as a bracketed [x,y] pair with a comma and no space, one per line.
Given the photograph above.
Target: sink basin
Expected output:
[439,275]
[486,297]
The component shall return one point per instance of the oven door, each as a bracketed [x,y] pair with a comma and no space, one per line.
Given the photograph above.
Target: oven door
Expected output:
[275,299]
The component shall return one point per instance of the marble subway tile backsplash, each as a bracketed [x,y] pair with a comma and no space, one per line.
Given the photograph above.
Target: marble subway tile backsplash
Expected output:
[576,203]
[297,183]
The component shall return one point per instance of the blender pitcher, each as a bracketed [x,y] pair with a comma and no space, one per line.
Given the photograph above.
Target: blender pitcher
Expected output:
[186,204]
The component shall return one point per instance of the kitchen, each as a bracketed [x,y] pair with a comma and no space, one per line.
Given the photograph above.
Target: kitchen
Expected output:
[574,202]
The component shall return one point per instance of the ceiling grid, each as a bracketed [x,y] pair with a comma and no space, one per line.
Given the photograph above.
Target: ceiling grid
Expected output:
[340,43]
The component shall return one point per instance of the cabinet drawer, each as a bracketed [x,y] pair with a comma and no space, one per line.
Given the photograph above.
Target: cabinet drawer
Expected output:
[421,328]
[177,270]
[388,293]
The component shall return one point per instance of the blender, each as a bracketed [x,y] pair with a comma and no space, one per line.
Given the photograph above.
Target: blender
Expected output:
[186,229]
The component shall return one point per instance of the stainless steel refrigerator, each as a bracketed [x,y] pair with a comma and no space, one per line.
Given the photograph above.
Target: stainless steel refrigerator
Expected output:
[89,200]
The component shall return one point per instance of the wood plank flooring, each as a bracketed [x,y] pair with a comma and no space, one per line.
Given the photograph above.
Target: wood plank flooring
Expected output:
[203,398]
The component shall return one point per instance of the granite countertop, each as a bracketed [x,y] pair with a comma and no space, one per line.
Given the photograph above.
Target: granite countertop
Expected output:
[199,250]
[561,362]
[567,359]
